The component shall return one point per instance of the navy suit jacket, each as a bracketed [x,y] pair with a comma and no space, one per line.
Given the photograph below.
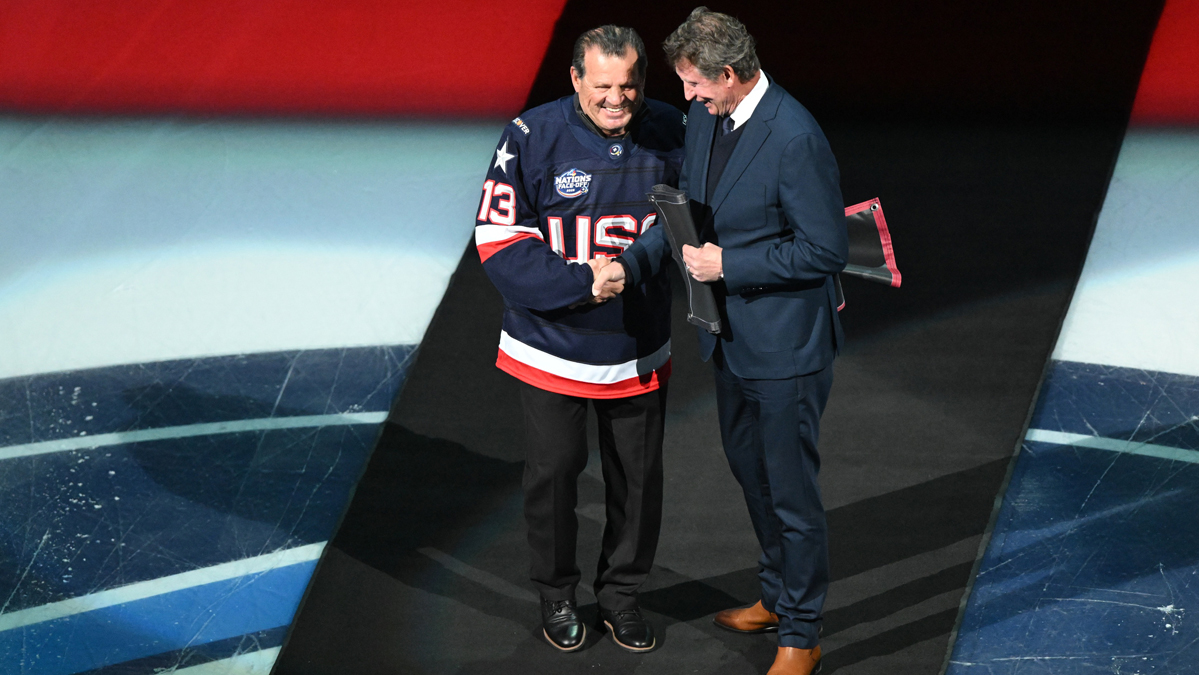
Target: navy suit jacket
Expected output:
[777,214]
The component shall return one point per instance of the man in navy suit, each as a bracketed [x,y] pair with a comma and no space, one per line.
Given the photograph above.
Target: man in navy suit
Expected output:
[765,190]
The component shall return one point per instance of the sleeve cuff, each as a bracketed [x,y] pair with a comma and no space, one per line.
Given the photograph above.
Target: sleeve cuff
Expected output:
[628,269]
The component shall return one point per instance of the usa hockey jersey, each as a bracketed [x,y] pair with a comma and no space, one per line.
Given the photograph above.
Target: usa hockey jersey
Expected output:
[558,194]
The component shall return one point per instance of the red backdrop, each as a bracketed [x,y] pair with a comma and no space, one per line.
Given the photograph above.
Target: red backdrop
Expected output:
[461,58]
[1169,89]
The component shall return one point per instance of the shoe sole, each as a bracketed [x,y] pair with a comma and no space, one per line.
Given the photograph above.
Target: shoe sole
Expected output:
[627,648]
[756,631]
[560,648]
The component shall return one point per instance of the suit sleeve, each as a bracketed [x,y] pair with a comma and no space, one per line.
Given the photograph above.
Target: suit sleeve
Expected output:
[510,241]
[646,257]
[810,197]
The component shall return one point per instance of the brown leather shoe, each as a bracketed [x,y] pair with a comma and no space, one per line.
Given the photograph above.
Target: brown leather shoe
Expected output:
[754,619]
[795,661]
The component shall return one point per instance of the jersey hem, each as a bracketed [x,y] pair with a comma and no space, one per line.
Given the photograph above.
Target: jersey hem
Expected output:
[557,384]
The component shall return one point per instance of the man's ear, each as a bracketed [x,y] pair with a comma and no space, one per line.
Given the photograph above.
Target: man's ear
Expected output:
[574,79]
[729,75]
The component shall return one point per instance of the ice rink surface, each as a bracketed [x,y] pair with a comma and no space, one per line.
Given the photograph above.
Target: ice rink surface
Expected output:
[203,324]
[1092,564]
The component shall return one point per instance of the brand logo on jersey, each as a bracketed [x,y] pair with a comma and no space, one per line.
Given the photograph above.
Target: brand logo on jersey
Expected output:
[615,150]
[521,123]
[573,183]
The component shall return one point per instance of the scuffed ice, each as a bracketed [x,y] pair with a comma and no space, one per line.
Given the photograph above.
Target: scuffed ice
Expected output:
[1121,403]
[1093,565]
[84,521]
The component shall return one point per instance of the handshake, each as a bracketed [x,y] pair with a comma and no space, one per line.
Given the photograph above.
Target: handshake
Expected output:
[609,279]
[705,264]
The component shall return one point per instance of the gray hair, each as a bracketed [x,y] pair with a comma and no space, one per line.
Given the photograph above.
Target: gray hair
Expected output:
[710,41]
[611,41]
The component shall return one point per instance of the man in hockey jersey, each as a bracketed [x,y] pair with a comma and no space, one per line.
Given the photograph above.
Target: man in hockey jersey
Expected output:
[564,194]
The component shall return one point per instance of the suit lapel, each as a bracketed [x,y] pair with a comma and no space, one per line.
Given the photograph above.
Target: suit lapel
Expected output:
[705,127]
[755,134]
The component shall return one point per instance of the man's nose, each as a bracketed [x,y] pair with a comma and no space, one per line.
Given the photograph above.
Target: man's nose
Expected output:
[614,98]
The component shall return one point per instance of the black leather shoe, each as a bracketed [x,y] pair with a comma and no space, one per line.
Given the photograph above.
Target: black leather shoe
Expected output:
[561,625]
[629,629]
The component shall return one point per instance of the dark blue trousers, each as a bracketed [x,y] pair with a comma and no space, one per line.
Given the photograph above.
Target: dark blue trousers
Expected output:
[769,429]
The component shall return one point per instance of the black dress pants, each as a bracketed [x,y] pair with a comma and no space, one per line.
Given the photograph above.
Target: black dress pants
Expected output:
[630,442]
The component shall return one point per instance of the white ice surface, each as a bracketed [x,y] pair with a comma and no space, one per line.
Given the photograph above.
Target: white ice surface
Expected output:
[131,241]
[250,663]
[1137,301]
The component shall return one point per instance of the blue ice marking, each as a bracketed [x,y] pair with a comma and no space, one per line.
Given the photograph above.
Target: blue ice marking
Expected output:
[190,430]
[159,623]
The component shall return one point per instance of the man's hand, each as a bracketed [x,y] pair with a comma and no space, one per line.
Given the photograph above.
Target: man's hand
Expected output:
[609,280]
[704,264]
[598,263]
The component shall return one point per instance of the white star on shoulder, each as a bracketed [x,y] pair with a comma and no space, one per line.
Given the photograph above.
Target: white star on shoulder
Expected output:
[502,156]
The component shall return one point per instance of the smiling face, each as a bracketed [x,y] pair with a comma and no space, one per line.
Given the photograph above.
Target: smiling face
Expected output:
[719,96]
[610,90]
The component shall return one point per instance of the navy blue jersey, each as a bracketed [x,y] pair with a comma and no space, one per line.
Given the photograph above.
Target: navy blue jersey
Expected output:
[557,194]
